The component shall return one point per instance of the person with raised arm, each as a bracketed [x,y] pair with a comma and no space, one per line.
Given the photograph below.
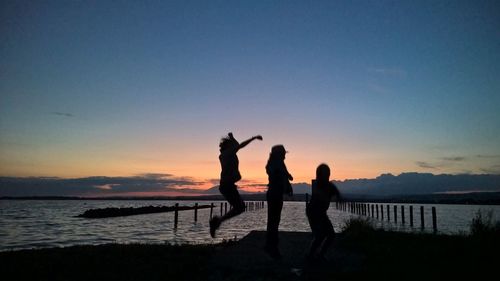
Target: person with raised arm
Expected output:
[229,175]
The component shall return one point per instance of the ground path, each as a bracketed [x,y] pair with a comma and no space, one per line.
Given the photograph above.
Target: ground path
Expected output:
[246,260]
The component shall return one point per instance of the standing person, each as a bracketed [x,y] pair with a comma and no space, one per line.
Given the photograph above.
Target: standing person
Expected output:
[229,175]
[323,233]
[279,183]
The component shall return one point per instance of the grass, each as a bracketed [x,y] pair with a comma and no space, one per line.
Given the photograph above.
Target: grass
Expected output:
[483,226]
[108,262]
[423,255]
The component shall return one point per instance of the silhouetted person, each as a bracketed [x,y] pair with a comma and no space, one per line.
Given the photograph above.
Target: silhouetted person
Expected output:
[229,175]
[323,233]
[279,184]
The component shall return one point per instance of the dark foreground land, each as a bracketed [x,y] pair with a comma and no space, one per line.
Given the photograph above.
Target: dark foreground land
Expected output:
[358,254]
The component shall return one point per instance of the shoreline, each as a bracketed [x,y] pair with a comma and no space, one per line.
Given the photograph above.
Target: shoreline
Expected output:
[475,198]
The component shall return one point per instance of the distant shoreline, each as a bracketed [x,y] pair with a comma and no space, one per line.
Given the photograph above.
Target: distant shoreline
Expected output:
[475,198]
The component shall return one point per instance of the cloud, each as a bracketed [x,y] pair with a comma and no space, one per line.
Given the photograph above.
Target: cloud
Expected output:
[64,114]
[488,156]
[443,163]
[155,175]
[493,169]
[389,71]
[98,186]
[214,181]
[453,159]
[426,165]
[376,87]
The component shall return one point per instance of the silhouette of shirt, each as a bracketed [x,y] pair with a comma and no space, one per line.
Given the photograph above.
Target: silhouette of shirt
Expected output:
[229,165]
[278,176]
[322,195]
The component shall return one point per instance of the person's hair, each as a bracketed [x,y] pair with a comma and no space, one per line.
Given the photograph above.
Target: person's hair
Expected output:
[322,172]
[226,142]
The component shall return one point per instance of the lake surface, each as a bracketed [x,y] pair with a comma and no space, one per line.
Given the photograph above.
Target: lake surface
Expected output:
[52,223]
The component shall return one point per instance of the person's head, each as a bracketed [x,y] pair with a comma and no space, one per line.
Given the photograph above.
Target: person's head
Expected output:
[278,152]
[323,173]
[227,142]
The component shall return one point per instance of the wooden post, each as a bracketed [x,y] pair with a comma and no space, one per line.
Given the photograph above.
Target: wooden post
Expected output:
[221,208]
[422,225]
[388,213]
[373,207]
[211,209]
[402,214]
[434,220]
[395,213]
[382,211]
[195,212]
[225,208]
[411,216]
[176,215]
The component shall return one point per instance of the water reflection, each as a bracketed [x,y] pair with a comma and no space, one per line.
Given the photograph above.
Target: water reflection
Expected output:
[28,224]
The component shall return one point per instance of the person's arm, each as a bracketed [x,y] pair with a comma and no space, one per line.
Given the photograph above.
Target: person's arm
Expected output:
[289,178]
[245,143]
[288,175]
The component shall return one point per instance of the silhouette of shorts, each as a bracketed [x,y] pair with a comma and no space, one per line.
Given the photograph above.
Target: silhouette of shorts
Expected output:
[319,222]
[231,194]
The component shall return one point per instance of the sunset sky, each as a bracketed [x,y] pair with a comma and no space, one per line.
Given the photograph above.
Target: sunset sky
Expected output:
[127,88]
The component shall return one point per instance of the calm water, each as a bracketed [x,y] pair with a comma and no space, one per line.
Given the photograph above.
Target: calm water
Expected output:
[46,223]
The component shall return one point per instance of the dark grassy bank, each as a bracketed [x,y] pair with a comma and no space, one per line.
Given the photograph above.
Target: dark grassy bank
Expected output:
[108,262]
[422,256]
[360,252]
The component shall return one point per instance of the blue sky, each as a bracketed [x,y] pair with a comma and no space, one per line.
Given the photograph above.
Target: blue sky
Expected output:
[121,88]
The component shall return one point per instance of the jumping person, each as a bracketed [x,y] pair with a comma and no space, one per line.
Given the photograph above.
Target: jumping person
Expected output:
[229,175]
[323,233]
[279,184]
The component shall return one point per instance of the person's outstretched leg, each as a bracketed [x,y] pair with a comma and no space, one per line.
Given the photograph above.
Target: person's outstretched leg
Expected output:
[232,195]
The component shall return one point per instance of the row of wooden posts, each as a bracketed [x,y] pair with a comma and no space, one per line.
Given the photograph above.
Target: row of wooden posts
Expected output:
[249,206]
[374,210]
